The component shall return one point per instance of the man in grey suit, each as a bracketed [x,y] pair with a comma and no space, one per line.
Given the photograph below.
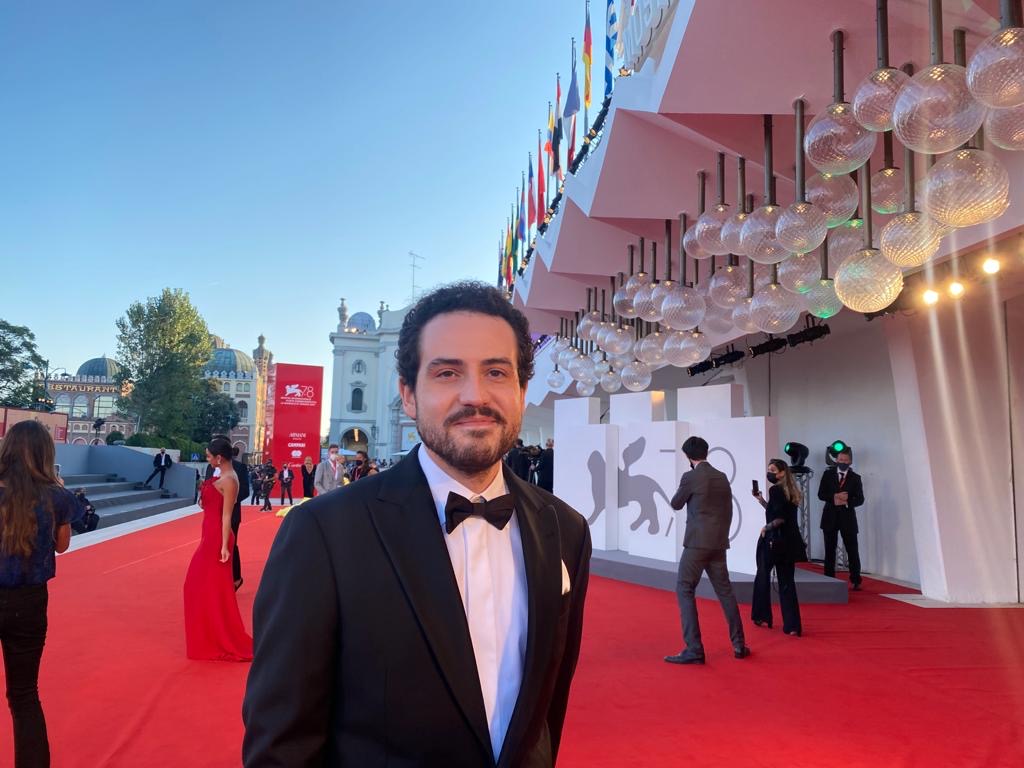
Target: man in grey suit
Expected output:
[708,498]
[329,474]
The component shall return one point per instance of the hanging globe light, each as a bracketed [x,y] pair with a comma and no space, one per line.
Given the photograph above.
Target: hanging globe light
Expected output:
[644,304]
[562,342]
[636,377]
[717,320]
[611,382]
[585,327]
[683,308]
[996,73]
[875,98]
[742,317]
[566,356]
[692,247]
[759,240]
[1005,128]
[845,240]
[554,353]
[836,143]
[556,379]
[619,341]
[968,187]
[911,238]
[887,189]
[674,351]
[602,367]
[774,309]
[710,223]
[650,349]
[935,111]
[822,301]
[868,282]
[584,388]
[799,273]
[836,196]
[582,369]
[732,229]
[696,348]
[802,226]
[636,282]
[728,286]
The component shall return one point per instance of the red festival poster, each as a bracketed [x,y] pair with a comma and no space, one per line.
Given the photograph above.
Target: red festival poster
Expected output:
[294,394]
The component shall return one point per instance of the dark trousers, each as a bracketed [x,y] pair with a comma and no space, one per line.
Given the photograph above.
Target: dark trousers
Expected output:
[236,561]
[849,534]
[266,503]
[286,488]
[255,492]
[761,604]
[693,563]
[22,636]
[162,471]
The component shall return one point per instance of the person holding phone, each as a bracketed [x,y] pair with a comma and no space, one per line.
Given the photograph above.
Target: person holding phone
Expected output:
[36,514]
[842,490]
[779,547]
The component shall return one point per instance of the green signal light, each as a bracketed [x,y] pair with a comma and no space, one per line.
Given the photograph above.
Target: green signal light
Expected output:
[786,449]
[838,446]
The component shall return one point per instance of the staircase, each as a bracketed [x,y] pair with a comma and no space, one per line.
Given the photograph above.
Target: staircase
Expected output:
[119,501]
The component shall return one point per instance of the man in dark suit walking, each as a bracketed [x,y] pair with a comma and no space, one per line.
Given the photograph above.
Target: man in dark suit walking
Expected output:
[546,466]
[430,615]
[708,498]
[842,491]
[518,461]
[161,463]
[236,513]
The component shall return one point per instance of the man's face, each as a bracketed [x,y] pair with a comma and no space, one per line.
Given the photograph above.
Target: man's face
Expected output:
[844,458]
[550,443]
[468,402]
[333,454]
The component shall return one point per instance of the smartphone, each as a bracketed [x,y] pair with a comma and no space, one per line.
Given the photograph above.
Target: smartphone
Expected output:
[757,488]
[56,468]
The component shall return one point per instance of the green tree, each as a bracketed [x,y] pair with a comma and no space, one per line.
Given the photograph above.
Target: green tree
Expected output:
[114,436]
[214,413]
[162,346]
[19,359]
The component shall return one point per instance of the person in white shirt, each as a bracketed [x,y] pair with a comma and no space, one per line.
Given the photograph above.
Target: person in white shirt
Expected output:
[330,473]
[430,615]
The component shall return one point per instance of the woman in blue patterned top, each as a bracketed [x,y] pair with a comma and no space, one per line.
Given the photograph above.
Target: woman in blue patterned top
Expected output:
[35,522]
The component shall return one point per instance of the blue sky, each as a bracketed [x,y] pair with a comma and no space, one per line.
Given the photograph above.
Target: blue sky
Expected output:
[268,157]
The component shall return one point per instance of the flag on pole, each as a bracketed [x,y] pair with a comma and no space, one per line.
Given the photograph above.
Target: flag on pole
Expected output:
[556,140]
[588,45]
[572,141]
[541,204]
[522,216]
[508,255]
[532,201]
[551,134]
[572,98]
[611,38]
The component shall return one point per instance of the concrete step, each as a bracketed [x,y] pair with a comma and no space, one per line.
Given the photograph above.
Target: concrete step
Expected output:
[126,512]
[118,498]
[115,486]
[86,479]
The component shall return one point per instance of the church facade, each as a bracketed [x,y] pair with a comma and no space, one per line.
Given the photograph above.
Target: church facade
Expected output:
[366,410]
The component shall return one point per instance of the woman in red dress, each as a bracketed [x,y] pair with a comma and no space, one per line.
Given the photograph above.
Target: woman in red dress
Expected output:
[213,624]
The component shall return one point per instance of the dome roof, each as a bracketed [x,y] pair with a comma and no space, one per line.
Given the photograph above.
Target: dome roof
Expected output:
[362,321]
[227,360]
[100,366]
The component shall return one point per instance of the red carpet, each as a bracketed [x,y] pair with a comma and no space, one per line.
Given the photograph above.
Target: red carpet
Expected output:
[873,683]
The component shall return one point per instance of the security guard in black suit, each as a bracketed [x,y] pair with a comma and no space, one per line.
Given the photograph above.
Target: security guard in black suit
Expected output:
[842,491]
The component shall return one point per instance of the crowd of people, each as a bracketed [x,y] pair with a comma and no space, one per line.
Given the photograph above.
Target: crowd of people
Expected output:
[532,463]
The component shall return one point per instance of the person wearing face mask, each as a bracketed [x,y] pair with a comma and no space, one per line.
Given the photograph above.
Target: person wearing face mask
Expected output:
[779,547]
[362,468]
[329,473]
[842,491]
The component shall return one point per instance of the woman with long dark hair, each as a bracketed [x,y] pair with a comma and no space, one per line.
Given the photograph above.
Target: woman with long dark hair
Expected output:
[779,547]
[308,474]
[35,522]
[213,623]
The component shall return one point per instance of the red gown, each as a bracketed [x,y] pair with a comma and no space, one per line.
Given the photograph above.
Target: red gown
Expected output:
[213,623]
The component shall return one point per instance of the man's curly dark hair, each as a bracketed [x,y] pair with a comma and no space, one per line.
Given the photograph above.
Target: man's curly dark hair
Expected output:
[466,296]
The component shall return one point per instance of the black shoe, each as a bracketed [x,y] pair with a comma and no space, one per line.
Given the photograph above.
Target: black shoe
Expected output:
[856,587]
[763,623]
[795,633]
[238,584]
[741,653]
[685,658]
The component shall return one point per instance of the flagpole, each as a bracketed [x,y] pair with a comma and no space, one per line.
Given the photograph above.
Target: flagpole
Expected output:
[586,107]
[547,164]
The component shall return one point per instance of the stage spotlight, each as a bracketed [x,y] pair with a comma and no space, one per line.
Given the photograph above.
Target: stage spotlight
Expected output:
[727,358]
[834,449]
[930,297]
[956,289]
[699,368]
[809,334]
[767,347]
[991,266]
[798,453]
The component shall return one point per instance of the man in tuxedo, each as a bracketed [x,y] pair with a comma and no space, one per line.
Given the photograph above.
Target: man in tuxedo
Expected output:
[517,460]
[708,499]
[842,491]
[161,463]
[429,615]
[546,466]
[236,513]
[286,477]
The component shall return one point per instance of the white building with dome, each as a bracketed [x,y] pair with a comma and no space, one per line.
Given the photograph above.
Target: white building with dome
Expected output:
[366,410]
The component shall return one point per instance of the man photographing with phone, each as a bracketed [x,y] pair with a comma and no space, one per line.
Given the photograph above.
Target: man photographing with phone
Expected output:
[842,491]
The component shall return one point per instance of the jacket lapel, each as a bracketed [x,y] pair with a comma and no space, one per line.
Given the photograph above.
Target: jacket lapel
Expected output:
[538,527]
[408,527]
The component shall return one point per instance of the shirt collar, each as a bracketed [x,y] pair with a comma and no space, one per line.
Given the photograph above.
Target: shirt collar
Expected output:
[441,484]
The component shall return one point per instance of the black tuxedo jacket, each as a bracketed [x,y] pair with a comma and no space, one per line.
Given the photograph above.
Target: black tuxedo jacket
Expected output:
[362,649]
[291,476]
[162,461]
[834,518]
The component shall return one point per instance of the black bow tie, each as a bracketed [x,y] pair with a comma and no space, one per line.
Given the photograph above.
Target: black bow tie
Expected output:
[497,511]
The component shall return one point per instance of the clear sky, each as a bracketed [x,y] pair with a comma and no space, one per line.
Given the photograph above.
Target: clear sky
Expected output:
[269,157]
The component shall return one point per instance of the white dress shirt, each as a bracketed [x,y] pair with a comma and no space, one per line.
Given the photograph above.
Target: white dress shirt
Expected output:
[491,575]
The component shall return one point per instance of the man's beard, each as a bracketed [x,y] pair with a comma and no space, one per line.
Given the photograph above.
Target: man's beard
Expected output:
[473,455]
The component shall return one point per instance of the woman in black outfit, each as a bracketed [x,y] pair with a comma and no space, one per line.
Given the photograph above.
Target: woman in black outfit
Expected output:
[779,547]
[308,473]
